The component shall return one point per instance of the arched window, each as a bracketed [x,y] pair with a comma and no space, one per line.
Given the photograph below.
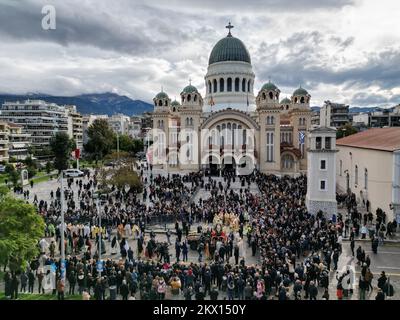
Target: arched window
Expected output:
[244,85]
[356,175]
[221,85]
[302,100]
[229,84]
[264,96]
[365,178]
[209,86]
[268,119]
[195,98]
[215,85]
[160,103]
[271,95]
[191,121]
[287,107]
[189,98]
[248,86]
[237,84]
[270,147]
[173,109]
[187,121]
[272,119]
[166,103]
[295,100]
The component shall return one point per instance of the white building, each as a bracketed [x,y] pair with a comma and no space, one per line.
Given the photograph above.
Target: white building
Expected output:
[75,125]
[135,127]
[368,164]
[38,118]
[321,171]
[119,123]
[18,142]
[4,141]
[333,114]
[361,118]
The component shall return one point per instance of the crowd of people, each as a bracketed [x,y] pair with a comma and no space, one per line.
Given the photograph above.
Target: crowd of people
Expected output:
[297,252]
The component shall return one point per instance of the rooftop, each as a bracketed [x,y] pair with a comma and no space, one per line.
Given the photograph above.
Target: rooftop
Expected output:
[385,139]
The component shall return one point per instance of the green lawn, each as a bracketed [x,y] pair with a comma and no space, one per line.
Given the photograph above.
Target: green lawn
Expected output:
[35,296]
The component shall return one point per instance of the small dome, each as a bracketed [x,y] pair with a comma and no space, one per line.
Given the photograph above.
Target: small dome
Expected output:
[189,89]
[269,86]
[229,49]
[175,103]
[285,101]
[162,95]
[300,92]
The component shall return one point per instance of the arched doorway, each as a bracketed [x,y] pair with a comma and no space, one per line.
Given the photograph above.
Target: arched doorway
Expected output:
[288,163]
[229,165]
[212,166]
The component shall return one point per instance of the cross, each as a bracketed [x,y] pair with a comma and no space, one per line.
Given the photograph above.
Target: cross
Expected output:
[190,81]
[229,27]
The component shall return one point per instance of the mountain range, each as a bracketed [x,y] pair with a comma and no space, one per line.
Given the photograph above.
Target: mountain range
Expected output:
[96,103]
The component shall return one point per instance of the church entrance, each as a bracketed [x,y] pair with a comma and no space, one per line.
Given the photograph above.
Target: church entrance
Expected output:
[229,166]
[212,167]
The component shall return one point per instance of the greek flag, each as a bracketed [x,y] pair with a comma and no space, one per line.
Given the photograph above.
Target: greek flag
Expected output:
[302,136]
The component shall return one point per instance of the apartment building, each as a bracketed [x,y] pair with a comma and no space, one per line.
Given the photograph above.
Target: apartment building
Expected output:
[38,118]
[3,141]
[334,114]
[75,125]
[18,142]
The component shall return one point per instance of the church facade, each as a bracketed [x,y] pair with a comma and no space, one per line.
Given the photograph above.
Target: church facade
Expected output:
[231,128]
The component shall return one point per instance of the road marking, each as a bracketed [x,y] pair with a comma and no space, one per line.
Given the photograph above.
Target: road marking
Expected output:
[394,268]
[386,252]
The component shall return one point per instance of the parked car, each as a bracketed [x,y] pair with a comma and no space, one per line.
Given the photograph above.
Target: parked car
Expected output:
[72,173]
[2,168]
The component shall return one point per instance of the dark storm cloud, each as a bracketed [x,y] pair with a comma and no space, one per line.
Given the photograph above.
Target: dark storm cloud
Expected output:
[257,5]
[306,62]
[75,25]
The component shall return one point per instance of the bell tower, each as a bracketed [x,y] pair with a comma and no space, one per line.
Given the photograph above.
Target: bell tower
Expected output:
[321,171]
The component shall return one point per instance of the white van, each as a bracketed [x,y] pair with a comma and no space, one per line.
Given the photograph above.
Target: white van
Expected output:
[73,173]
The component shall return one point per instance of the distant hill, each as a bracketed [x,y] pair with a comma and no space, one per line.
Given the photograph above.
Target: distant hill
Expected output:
[96,103]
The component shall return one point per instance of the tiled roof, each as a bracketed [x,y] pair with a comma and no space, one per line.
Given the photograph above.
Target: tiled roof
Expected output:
[386,139]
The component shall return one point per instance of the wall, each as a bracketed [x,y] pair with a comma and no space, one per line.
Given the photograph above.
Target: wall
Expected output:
[380,169]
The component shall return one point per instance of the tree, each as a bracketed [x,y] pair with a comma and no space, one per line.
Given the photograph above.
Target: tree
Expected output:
[126,177]
[61,145]
[100,139]
[13,173]
[345,130]
[20,230]
[125,143]
[48,167]
[138,145]
[31,166]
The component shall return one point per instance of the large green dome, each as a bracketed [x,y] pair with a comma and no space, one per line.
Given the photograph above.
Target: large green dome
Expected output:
[229,49]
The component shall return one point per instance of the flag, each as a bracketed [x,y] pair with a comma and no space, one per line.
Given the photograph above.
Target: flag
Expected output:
[211,102]
[302,137]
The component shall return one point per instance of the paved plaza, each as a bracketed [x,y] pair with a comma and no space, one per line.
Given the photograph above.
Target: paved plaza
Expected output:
[387,259]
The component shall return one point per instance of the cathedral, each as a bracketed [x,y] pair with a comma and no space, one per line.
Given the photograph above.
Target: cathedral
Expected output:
[231,128]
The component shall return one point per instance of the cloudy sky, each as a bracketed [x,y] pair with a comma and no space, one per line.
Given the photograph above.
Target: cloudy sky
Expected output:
[343,50]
